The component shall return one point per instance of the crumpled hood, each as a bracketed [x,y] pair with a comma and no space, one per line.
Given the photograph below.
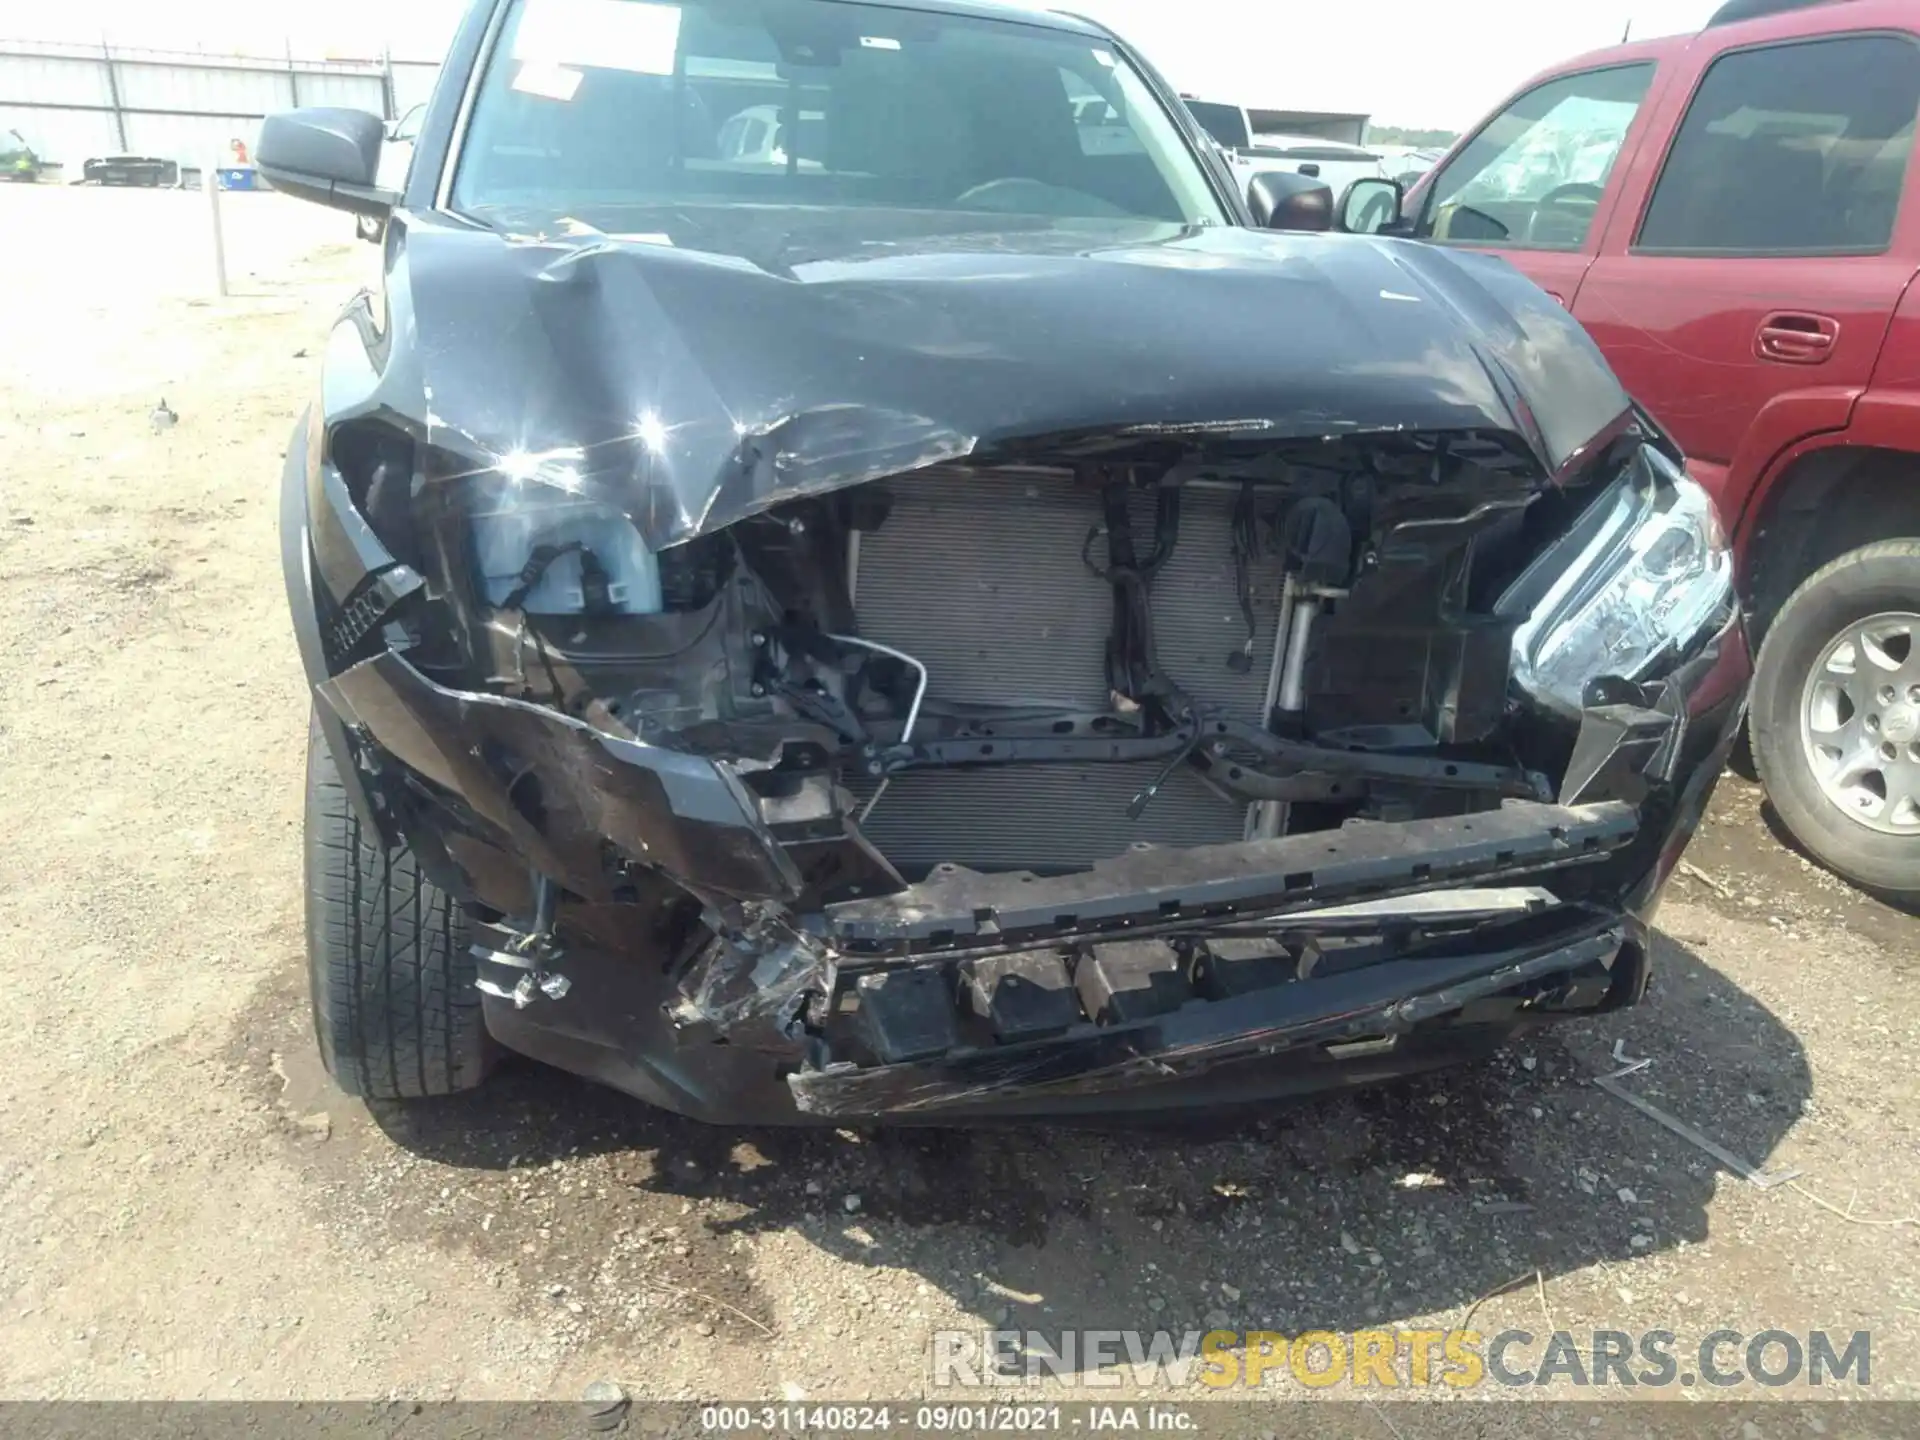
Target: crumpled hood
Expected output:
[693,381]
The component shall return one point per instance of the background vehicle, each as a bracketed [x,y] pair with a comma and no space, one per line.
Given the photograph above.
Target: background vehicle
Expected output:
[733,620]
[1249,152]
[147,170]
[1724,214]
[17,160]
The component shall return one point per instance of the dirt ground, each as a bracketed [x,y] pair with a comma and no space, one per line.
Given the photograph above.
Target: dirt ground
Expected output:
[192,1211]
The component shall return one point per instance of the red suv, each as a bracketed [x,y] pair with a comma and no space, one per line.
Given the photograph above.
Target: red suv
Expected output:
[1731,217]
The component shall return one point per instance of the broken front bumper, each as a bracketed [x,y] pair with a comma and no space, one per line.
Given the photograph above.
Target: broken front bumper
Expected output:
[703,973]
[1374,950]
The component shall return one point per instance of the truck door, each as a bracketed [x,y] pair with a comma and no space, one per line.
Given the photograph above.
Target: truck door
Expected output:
[1532,185]
[1748,275]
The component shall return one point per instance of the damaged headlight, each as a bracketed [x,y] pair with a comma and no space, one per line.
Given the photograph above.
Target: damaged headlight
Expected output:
[543,548]
[1643,576]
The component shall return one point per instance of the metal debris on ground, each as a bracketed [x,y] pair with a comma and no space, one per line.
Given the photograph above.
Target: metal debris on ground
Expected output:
[1694,872]
[1628,1065]
[1762,1179]
[1466,1321]
[1851,1218]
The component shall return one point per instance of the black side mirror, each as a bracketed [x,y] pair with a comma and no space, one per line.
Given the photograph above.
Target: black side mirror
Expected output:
[327,155]
[1282,201]
[1370,206]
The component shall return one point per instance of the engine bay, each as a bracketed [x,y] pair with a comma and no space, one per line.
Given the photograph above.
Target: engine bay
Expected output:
[1039,663]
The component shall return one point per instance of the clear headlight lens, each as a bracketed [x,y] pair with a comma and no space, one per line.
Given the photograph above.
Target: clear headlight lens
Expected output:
[1627,597]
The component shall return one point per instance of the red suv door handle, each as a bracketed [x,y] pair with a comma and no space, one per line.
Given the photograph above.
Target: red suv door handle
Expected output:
[1794,337]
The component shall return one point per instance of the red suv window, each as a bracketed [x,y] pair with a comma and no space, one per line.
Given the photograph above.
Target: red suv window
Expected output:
[1532,178]
[1795,149]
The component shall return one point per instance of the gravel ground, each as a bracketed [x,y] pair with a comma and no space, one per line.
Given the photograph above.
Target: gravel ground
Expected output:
[194,1212]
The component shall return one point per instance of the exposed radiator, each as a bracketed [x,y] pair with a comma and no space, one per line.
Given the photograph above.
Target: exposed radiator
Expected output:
[980,578]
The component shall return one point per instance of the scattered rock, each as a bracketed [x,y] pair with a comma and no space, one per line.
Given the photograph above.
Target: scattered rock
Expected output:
[606,1405]
[851,1203]
[1349,1244]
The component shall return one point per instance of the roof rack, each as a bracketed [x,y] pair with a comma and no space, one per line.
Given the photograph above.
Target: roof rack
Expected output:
[1735,10]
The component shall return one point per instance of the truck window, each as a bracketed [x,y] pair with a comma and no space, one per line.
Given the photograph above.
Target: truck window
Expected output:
[1533,177]
[1225,123]
[1794,149]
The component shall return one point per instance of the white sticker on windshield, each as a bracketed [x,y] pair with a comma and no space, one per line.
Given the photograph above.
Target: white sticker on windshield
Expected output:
[879,42]
[550,82]
[631,35]
[1105,57]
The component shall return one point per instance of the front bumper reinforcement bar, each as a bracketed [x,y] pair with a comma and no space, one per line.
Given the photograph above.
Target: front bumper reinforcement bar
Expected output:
[1381,1005]
[957,909]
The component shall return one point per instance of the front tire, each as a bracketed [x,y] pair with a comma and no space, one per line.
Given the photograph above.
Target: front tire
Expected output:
[1835,720]
[388,964]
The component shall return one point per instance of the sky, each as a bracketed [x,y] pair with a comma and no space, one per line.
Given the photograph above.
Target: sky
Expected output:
[1407,62]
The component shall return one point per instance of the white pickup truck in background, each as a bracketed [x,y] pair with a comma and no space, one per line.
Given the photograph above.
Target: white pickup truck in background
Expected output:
[1250,152]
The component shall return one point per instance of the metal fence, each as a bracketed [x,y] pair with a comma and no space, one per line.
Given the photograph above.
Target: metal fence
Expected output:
[75,102]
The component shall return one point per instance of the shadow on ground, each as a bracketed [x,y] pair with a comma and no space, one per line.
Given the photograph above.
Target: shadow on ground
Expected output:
[1340,1213]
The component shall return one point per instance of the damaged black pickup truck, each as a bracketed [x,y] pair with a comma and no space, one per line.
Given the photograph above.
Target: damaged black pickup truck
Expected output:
[848,575]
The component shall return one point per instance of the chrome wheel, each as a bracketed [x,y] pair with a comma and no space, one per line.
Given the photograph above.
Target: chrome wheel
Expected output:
[1860,722]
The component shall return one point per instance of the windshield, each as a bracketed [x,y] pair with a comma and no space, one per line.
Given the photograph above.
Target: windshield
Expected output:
[599,106]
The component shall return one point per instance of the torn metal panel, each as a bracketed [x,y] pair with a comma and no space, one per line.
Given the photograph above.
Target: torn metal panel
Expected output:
[754,979]
[575,801]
